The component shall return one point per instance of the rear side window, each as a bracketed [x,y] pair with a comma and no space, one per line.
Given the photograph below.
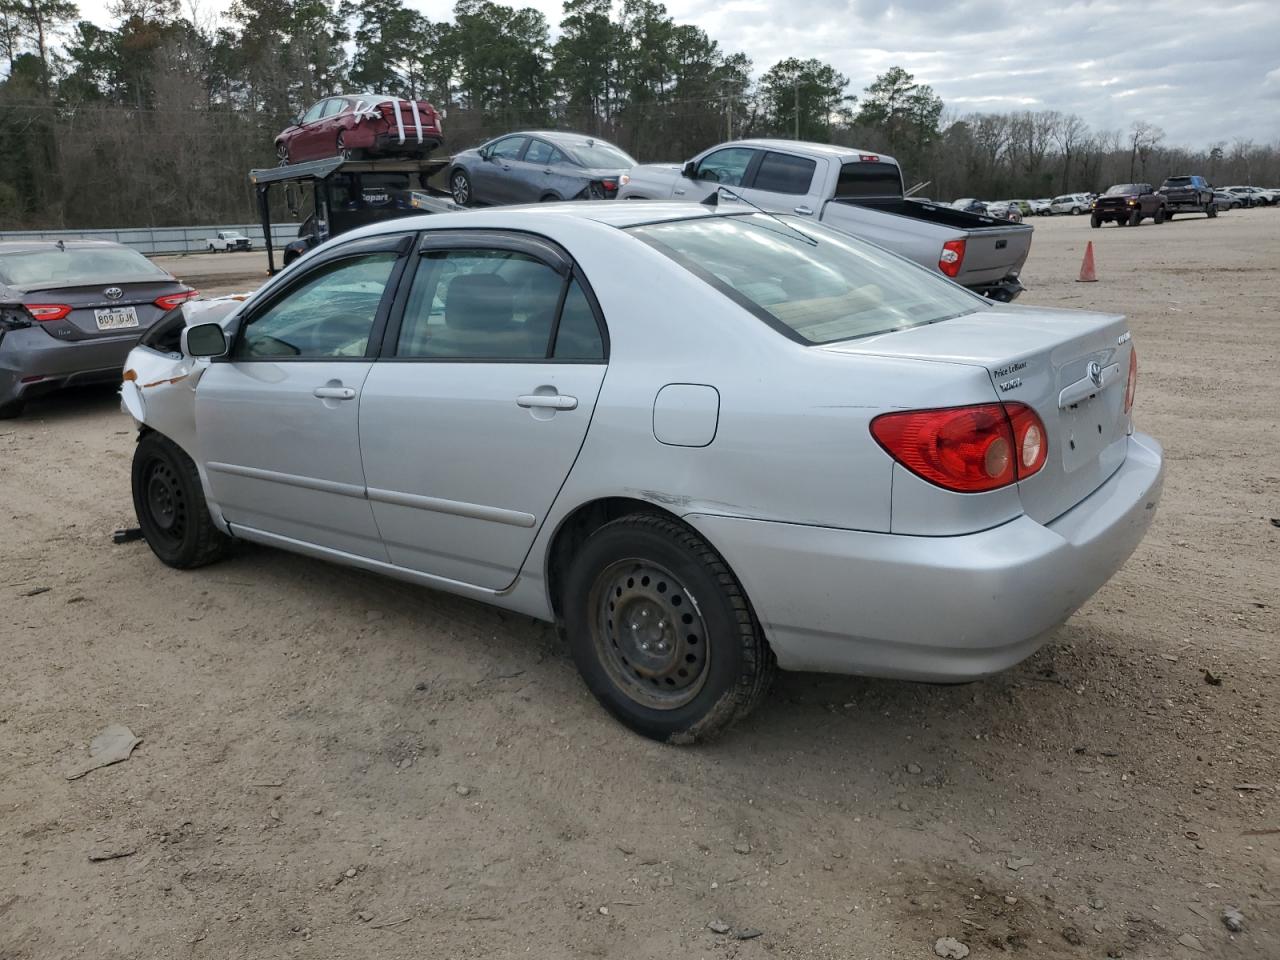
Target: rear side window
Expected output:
[483,304]
[868,179]
[780,173]
[539,152]
[815,287]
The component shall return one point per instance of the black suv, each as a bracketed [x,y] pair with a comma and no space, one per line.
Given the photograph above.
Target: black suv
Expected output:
[1190,194]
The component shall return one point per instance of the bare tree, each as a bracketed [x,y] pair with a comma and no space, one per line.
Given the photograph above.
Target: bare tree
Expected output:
[1143,138]
[1069,133]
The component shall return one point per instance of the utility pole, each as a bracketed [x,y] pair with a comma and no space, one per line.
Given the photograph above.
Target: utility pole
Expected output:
[797,106]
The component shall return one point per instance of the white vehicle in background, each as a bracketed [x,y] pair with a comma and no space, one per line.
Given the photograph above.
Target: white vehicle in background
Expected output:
[228,241]
[1041,208]
[852,190]
[1072,203]
[1004,210]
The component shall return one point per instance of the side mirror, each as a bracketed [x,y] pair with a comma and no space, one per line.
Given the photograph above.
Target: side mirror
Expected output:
[204,340]
[295,120]
[690,171]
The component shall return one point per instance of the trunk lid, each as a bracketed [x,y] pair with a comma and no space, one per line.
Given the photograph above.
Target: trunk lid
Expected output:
[993,253]
[1044,359]
[86,303]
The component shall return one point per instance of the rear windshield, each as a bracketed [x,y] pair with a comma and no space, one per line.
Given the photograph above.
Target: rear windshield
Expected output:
[1178,182]
[601,154]
[76,265]
[868,180]
[828,287]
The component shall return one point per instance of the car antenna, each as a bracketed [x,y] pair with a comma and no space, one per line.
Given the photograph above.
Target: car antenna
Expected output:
[713,200]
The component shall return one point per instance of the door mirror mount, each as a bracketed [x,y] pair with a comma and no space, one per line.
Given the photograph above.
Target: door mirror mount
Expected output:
[204,340]
[690,171]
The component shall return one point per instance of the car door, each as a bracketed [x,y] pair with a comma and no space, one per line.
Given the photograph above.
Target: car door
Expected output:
[783,183]
[491,179]
[542,172]
[730,167]
[309,131]
[278,418]
[473,417]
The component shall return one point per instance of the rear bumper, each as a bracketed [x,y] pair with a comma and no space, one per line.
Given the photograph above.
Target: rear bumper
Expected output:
[33,363]
[390,142]
[935,608]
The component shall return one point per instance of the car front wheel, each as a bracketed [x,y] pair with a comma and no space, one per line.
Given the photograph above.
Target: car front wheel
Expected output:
[662,632]
[460,187]
[170,504]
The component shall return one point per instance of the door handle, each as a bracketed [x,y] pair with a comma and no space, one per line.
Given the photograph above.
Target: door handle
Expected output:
[678,193]
[548,170]
[506,166]
[546,401]
[334,393]
[804,211]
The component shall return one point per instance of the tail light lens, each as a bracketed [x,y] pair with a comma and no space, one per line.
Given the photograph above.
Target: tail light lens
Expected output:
[610,185]
[48,312]
[171,300]
[1132,386]
[952,257]
[967,449]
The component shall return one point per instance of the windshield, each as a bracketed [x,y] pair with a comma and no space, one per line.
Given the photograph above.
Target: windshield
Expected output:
[835,288]
[601,154]
[1122,188]
[76,265]
[1178,182]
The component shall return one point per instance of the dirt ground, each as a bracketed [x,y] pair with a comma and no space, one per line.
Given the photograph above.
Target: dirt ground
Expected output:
[335,765]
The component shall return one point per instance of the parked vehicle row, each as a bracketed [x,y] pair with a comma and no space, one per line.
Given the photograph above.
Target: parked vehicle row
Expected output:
[927,485]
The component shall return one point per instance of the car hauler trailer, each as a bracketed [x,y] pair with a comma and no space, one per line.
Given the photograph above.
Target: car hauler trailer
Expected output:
[347,194]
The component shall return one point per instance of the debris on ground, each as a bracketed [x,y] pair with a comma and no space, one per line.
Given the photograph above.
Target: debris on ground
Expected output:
[1017,863]
[1212,679]
[113,745]
[106,855]
[748,933]
[126,535]
[718,926]
[949,948]
[1191,942]
[1233,919]
[36,591]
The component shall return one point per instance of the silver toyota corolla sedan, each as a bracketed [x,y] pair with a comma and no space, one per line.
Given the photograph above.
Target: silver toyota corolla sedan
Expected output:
[702,443]
[71,310]
[537,167]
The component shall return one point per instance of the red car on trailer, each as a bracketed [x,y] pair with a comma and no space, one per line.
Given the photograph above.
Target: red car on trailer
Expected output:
[361,125]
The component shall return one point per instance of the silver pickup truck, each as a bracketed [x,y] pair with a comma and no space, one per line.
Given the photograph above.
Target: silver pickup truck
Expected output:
[850,190]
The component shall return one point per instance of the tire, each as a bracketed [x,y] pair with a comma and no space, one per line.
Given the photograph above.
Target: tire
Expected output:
[549,198]
[1076,211]
[1169,215]
[1095,221]
[170,505]
[1122,222]
[1211,210]
[1159,216]
[345,152]
[460,187]
[692,658]
[1135,218]
[12,409]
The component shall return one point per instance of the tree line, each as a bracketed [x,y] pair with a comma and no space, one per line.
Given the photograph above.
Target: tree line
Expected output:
[156,119]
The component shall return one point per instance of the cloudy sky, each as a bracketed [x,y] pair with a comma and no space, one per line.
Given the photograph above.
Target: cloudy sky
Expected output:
[1202,72]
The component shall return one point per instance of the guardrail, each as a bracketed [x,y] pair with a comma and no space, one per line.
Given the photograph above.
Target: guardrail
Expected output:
[161,240]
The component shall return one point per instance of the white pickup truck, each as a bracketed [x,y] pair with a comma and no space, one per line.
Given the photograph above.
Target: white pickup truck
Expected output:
[227,241]
[851,190]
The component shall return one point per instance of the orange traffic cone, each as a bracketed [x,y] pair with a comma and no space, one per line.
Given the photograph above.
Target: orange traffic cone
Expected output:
[1087,272]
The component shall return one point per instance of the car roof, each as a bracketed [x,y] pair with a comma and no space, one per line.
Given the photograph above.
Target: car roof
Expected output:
[567,137]
[27,246]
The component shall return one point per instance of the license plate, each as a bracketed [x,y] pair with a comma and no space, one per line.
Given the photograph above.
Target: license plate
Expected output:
[116,318]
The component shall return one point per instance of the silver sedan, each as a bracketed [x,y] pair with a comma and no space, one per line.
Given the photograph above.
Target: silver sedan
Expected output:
[704,444]
[537,167]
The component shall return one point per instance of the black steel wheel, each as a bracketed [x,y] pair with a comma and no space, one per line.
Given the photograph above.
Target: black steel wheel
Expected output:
[460,187]
[170,505]
[661,630]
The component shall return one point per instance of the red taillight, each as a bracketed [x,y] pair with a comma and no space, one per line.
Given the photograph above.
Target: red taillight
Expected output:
[48,312]
[1132,386]
[952,257]
[610,185]
[966,449]
[868,158]
[173,299]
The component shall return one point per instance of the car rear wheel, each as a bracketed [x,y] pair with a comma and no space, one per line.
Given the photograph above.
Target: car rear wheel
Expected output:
[12,409]
[1095,221]
[661,630]
[170,505]
[460,187]
[1076,211]
[1211,210]
[1159,216]
[345,152]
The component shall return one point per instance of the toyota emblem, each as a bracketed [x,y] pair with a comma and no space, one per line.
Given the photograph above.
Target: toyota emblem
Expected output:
[1095,372]
[113,293]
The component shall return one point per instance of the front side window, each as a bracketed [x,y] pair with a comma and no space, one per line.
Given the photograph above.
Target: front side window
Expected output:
[335,107]
[817,287]
[781,173]
[486,304]
[328,315]
[508,148]
[315,112]
[728,167]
